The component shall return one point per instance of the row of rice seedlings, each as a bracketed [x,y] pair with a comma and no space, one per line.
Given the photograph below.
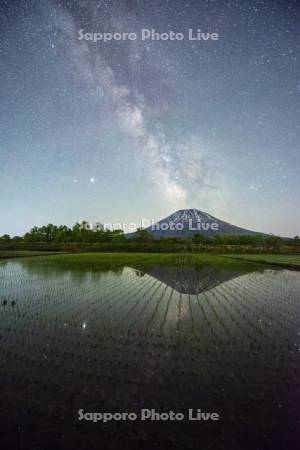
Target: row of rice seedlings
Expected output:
[263,290]
[165,315]
[277,330]
[135,309]
[157,322]
[272,290]
[93,298]
[33,298]
[131,304]
[171,315]
[128,297]
[143,311]
[184,322]
[286,279]
[206,329]
[269,328]
[212,324]
[52,307]
[221,315]
[48,307]
[191,315]
[246,300]
[274,309]
[112,300]
[153,323]
[242,317]
[270,310]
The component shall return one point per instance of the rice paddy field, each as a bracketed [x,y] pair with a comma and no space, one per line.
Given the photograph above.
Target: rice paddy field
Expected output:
[122,332]
[292,261]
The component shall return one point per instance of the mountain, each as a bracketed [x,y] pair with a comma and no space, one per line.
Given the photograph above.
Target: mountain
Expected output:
[190,280]
[188,222]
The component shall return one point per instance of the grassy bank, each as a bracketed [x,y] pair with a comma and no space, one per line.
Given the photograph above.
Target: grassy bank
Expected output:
[94,261]
[292,261]
[23,254]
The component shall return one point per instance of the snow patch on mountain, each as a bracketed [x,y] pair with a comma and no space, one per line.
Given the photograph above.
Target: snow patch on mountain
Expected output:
[188,222]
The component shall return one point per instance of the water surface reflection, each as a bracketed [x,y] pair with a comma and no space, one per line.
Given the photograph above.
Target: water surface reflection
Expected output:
[166,337]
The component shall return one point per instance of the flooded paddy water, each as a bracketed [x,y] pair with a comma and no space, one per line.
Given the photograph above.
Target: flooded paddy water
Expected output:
[165,337]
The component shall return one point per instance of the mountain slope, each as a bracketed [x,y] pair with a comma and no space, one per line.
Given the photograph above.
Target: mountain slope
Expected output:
[188,222]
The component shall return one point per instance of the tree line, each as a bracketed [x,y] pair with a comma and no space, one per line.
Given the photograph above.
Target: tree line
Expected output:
[82,233]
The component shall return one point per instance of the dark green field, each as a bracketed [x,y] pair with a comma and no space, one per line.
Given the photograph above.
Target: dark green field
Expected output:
[228,261]
[22,253]
[283,260]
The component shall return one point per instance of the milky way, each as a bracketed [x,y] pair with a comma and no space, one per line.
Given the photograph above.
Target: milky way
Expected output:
[124,129]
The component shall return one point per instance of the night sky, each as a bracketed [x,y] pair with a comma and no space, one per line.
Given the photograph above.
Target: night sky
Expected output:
[124,130]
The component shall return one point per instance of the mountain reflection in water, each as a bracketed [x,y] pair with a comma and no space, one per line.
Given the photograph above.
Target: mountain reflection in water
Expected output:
[191,280]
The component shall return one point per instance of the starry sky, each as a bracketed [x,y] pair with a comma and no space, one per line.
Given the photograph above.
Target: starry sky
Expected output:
[131,129]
